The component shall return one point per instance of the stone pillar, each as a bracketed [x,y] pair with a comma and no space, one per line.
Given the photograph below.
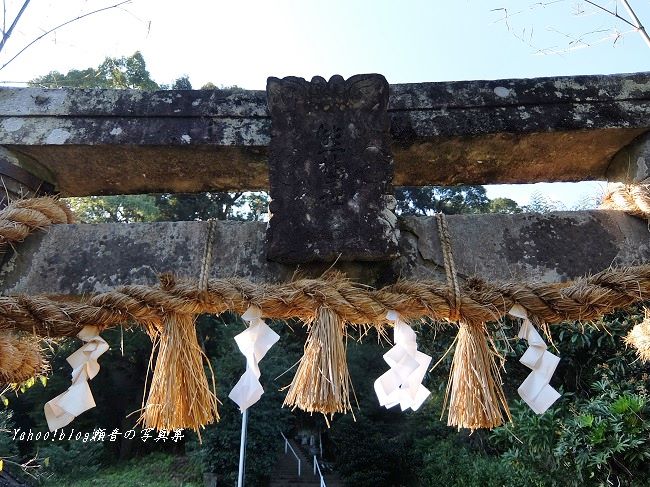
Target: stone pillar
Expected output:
[631,164]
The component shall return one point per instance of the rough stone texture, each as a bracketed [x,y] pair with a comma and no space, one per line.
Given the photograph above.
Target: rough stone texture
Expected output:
[503,131]
[16,182]
[553,247]
[76,259]
[330,170]
[632,163]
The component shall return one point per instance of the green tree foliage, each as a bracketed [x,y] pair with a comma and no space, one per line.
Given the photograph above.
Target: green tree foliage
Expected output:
[441,199]
[72,459]
[199,206]
[123,208]
[121,73]
[503,205]
[450,200]
[182,83]
[7,446]
[374,448]
[599,433]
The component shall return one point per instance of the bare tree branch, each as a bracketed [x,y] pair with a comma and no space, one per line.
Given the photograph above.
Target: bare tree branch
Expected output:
[615,14]
[58,27]
[635,19]
[581,41]
[7,34]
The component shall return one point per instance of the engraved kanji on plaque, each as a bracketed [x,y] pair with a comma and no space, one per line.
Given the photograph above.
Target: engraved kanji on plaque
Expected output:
[330,170]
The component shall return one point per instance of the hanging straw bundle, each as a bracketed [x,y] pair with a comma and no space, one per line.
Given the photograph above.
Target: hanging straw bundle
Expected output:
[475,390]
[179,395]
[20,358]
[322,383]
[639,338]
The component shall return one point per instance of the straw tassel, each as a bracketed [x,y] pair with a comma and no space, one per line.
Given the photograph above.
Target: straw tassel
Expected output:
[20,358]
[475,390]
[322,383]
[639,338]
[179,395]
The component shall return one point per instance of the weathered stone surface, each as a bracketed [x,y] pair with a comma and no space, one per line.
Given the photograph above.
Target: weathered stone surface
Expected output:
[503,131]
[16,182]
[330,170]
[76,259]
[552,247]
[632,163]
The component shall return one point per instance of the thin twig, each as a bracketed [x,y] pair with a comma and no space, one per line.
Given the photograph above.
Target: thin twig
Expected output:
[58,27]
[615,14]
[637,22]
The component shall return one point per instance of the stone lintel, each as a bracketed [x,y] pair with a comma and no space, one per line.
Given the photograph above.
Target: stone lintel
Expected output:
[473,132]
[77,259]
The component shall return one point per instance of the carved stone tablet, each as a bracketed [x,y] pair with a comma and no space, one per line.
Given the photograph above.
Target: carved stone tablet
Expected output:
[330,170]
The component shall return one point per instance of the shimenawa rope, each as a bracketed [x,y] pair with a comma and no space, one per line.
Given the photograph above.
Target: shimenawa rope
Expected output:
[158,307]
[23,217]
[633,199]
[583,299]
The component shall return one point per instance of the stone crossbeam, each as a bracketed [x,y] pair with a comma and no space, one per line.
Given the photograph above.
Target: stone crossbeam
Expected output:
[71,260]
[473,132]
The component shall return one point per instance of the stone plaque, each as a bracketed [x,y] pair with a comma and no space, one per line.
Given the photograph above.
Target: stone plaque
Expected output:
[330,170]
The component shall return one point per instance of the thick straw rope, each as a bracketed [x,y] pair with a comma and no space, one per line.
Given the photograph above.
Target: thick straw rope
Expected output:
[21,357]
[584,299]
[23,217]
[633,199]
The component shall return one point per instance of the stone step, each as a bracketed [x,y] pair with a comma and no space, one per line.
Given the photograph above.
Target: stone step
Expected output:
[286,471]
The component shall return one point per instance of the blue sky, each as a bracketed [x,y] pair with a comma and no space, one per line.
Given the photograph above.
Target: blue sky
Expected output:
[243,42]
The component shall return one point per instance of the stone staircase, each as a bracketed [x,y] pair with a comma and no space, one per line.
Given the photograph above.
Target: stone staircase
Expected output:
[285,473]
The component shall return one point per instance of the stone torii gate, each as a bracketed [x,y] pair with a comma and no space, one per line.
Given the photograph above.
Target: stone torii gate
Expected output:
[81,142]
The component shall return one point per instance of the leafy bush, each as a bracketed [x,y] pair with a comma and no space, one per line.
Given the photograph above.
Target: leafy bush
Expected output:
[599,433]
[7,445]
[72,459]
[448,462]
[373,453]
[154,470]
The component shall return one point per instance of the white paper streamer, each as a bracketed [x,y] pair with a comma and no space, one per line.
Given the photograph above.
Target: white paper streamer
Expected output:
[253,342]
[535,390]
[60,411]
[402,384]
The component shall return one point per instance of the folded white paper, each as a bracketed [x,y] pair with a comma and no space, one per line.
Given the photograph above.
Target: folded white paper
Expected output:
[254,343]
[60,411]
[535,390]
[402,383]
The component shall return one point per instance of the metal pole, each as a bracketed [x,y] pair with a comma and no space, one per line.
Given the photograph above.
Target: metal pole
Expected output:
[242,449]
